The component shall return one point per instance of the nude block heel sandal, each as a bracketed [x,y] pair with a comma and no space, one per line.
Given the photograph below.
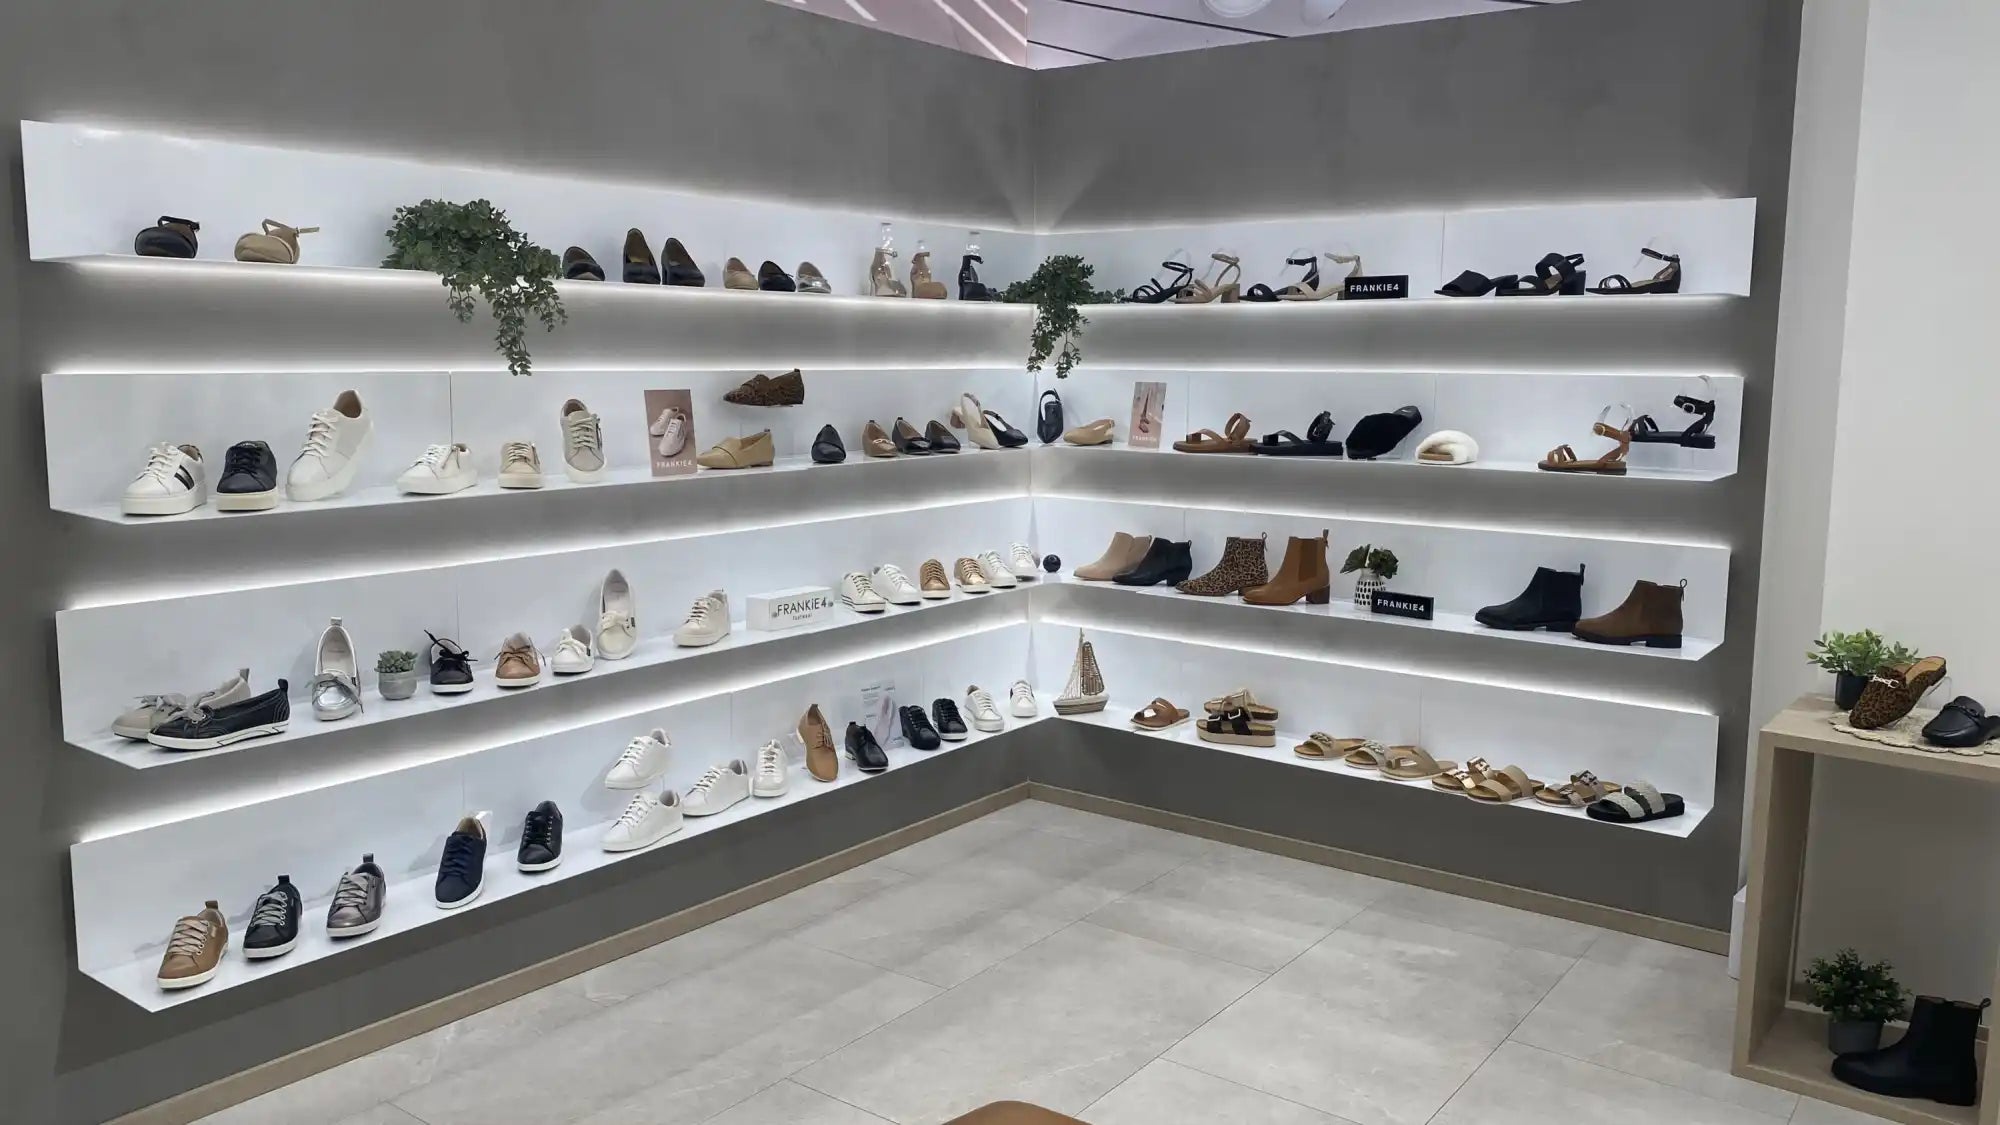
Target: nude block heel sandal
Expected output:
[1226,287]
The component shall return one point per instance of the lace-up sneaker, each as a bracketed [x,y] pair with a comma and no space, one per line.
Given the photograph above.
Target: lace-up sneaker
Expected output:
[195,950]
[643,762]
[950,726]
[461,873]
[857,592]
[646,821]
[707,622]
[274,922]
[822,760]
[249,480]
[442,469]
[617,618]
[583,443]
[451,666]
[331,453]
[931,580]
[519,664]
[205,727]
[970,577]
[1021,700]
[772,777]
[718,788]
[357,900]
[573,654]
[917,729]
[985,716]
[520,465]
[895,587]
[1022,564]
[152,710]
[173,481]
[995,569]
[541,838]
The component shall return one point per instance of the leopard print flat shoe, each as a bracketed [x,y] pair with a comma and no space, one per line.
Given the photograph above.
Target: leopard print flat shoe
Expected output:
[1893,692]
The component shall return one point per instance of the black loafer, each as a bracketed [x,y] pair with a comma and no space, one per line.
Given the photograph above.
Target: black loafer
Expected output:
[578,265]
[827,449]
[917,729]
[1164,561]
[771,279]
[864,751]
[940,438]
[1378,434]
[681,269]
[1962,723]
[908,442]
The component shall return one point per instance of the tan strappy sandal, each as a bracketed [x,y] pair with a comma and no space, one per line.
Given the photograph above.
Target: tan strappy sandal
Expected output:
[1227,286]
[1323,747]
[278,244]
[1503,787]
[1335,287]
[1159,715]
[1234,438]
[1580,790]
[1459,780]
[1563,459]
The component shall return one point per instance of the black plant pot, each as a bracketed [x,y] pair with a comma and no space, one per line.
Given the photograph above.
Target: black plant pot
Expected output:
[1846,1037]
[1847,689]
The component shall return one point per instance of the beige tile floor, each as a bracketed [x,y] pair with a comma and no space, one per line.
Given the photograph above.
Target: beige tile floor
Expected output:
[1120,973]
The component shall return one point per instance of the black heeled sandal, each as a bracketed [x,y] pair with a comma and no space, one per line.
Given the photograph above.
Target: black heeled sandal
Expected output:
[1049,427]
[1555,273]
[1307,284]
[970,288]
[1668,280]
[1474,284]
[1696,436]
[1153,293]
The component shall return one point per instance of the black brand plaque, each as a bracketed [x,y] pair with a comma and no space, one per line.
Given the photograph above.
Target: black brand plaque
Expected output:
[1391,604]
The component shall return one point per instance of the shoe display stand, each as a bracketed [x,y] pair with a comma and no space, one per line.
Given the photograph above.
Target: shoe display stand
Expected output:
[1780,1042]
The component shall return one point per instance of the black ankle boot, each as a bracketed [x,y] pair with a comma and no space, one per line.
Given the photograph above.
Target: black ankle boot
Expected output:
[1164,562]
[1553,600]
[1932,1060]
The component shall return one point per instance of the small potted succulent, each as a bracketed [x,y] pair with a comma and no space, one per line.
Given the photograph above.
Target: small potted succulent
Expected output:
[1853,658]
[1858,998]
[396,673]
[1376,564]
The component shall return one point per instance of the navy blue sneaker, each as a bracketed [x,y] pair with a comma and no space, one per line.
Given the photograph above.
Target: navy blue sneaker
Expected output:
[462,868]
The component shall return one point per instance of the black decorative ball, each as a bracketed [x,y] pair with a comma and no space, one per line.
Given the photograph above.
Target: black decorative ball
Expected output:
[1051,563]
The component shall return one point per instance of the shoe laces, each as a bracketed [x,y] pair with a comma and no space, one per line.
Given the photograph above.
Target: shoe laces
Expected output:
[1020,689]
[433,458]
[770,761]
[517,455]
[172,704]
[539,830]
[637,810]
[1022,555]
[570,645]
[862,583]
[242,458]
[580,430]
[273,909]
[161,463]
[611,619]
[702,611]
[352,893]
[446,654]
[707,782]
[636,751]
[319,434]
[892,576]
[947,711]
[457,859]
[190,936]
[932,571]
[978,700]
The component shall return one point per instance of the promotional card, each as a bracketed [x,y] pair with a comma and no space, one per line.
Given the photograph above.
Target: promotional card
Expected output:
[1149,410]
[878,713]
[670,446]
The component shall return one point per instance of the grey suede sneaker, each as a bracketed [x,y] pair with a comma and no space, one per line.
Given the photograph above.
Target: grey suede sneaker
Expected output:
[357,902]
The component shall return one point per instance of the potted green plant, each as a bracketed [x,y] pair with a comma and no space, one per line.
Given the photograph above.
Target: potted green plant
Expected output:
[1056,288]
[1853,658]
[1376,564]
[1858,998]
[396,673]
[475,249]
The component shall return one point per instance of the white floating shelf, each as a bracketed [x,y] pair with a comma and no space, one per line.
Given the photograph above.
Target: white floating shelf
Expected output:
[1338,465]
[1426,301]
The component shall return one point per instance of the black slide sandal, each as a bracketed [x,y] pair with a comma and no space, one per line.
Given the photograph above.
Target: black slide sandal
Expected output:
[1555,273]
[1637,803]
[1317,442]
[1378,434]
[1153,293]
[1265,294]
[1471,284]
[1696,436]
[1668,280]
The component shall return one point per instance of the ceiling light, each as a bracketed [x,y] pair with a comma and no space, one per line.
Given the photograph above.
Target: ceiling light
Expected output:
[1235,9]
[1320,11]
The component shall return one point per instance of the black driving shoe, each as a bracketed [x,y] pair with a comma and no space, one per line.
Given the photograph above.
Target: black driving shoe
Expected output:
[864,751]
[1962,723]
[917,729]
[827,449]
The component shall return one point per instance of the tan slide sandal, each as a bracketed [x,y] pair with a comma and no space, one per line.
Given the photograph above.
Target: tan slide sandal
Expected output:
[1236,729]
[1563,459]
[1460,780]
[1320,746]
[1413,763]
[279,243]
[1581,789]
[1159,715]
[1503,787]
[1234,438]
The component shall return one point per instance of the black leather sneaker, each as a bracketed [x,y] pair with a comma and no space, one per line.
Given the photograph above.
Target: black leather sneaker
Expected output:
[451,666]
[274,921]
[864,751]
[199,728]
[541,838]
[950,727]
[917,729]
[249,480]
[462,867]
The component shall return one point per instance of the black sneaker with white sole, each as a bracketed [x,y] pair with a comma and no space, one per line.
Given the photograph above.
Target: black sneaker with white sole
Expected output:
[451,666]
[200,728]
[274,921]
[249,481]
[862,749]
[541,838]
[950,727]
[462,868]
[917,729]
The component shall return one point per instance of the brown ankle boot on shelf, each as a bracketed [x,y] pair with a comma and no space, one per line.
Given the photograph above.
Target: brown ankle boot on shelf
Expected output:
[1649,615]
[1124,551]
[1892,692]
[1242,567]
[1303,574]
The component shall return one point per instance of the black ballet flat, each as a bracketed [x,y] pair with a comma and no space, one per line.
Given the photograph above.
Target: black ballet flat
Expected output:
[827,449]
[170,238]
[1696,436]
[772,279]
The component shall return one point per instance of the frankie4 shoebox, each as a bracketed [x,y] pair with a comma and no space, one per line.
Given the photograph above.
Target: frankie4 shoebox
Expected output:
[789,609]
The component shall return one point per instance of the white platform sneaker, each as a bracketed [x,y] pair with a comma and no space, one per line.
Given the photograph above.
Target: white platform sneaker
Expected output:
[1021,700]
[617,618]
[442,469]
[997,573]
[643,762]
[707,621]
[718,788]
[520,465]
[980,709]
[772,778]
[895,586]
[646,821]
[1021,562]
[173,481]
[857,592]
[331,454]
[583,443]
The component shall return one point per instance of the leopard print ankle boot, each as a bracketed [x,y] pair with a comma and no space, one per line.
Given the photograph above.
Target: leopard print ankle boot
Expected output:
[1242,566]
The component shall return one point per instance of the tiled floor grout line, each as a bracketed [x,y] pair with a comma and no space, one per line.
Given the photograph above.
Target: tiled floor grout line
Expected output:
[1509,1037]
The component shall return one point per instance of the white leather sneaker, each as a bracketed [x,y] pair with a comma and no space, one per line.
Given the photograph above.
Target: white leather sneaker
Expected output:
[857,592]
[772,777]
[895,586]
[442,469]
[520,465]
[1021,700]
[572,653]
[173,481]
[672,431]
[1021,562]
[617,618]
[331,454]
[583,443]
[995,569]
[718,788]
[643,762]
[646,821]
[707,621]
[980,709]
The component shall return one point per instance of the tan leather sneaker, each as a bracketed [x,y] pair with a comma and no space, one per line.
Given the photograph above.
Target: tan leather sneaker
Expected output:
[195,950]
[518,664]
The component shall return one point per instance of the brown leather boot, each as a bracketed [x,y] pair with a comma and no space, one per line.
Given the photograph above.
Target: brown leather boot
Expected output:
[1242,567]
[1118,558]
[1649,615]
[822,760]
[1303,574]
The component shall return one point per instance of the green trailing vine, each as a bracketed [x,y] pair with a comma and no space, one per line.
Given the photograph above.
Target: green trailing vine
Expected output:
[475,249]
[1057,288]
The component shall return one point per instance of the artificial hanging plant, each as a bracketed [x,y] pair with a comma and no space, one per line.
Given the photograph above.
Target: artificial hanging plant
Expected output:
[1056,288]
[474,248]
